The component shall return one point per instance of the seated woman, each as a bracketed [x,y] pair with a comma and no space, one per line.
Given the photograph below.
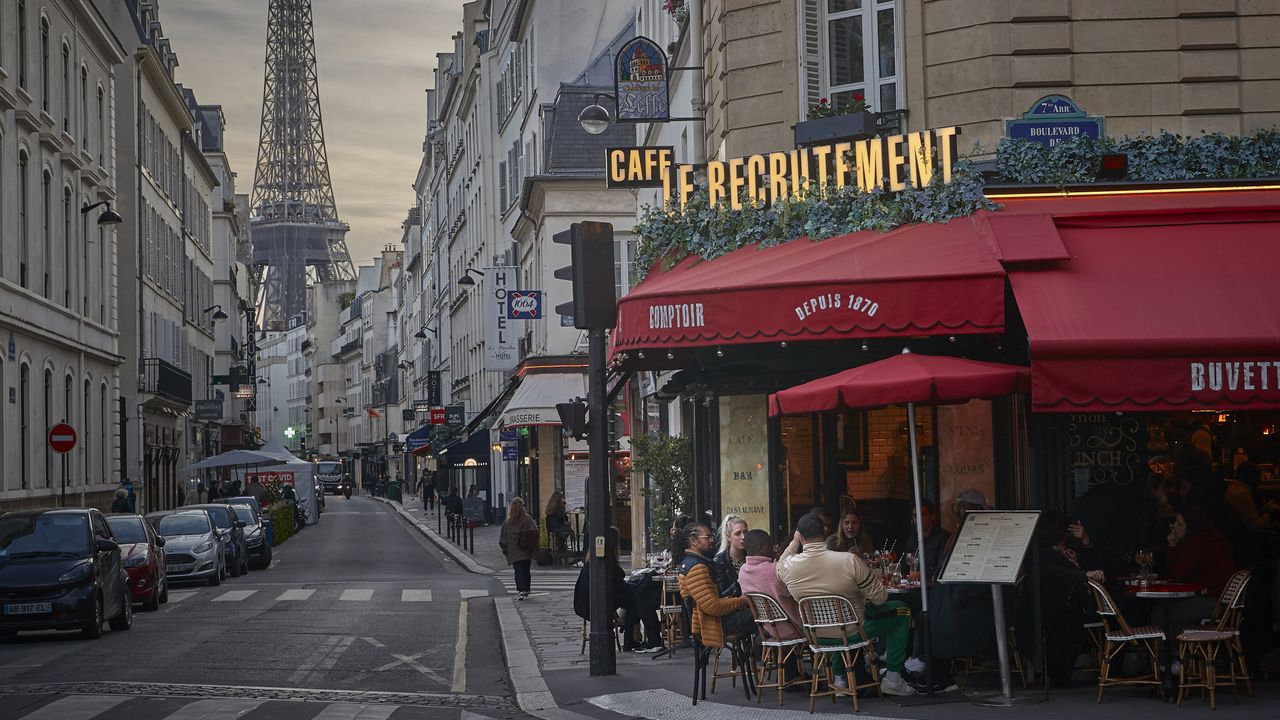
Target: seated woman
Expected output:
[711,617]
[557,520]
[1198,554]
[732,555]
[1066,563]
[851,536]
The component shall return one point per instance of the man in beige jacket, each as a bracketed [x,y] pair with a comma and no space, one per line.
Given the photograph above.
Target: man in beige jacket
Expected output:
[808,568]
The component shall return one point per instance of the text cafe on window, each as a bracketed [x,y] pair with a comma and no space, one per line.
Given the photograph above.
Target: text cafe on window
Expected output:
[1130,372]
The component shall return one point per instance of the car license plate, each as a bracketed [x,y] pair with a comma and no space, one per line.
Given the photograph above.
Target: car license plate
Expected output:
[175,568]
[28,608]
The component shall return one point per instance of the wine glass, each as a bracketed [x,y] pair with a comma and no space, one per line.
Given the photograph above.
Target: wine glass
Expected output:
[1144,560]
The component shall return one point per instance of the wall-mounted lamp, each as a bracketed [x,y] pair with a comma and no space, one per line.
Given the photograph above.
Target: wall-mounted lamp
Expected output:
[422,332]
[595,118]
[106,217]
[466,278]
[217,310]
[402,365]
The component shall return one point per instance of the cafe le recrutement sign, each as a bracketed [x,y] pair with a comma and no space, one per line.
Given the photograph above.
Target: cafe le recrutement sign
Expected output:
[891,162]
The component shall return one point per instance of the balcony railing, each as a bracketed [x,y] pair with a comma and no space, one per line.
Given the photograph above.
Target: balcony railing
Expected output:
[166,381]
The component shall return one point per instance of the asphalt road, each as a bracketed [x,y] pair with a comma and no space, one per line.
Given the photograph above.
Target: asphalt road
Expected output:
[358,616]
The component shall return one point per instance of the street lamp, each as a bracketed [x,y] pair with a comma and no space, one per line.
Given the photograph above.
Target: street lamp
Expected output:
[422,331]
[217,310]
[466,278]
[595,118]
[106,217]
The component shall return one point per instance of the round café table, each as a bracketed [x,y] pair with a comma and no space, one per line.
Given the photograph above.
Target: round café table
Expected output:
[1164,592]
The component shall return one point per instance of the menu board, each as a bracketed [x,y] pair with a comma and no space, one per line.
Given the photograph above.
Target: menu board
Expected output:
[991,546]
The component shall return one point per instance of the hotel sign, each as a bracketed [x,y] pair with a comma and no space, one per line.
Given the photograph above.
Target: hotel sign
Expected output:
[891,163]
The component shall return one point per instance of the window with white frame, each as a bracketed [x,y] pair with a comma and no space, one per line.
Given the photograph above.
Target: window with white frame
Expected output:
[859,52]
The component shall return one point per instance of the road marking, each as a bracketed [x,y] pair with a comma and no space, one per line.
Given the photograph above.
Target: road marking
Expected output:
[76,707]
[412,661]
[216,709]
[313,660]
[332,660]
[177,596]
[356,711]
[415,596]
[468,594]
[460,652]
[373,642]
[357,595]
[295,594]
[234,595]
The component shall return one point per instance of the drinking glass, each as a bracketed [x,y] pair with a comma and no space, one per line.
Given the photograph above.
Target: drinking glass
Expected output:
[1144,559]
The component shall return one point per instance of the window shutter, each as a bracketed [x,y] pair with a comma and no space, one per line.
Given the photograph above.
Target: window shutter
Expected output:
[810,54]
[502,186]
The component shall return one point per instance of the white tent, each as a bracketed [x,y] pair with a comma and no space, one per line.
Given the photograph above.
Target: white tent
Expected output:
[296,472]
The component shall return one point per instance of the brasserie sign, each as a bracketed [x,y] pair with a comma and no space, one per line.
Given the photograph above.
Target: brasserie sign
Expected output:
[891,163]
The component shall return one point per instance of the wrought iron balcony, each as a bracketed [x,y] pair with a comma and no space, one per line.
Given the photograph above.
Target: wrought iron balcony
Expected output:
[166,381]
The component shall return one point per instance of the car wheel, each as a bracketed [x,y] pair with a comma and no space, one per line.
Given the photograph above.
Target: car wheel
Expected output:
[152,603]
[93,630]
[216,580]
[164,594]
[124,620]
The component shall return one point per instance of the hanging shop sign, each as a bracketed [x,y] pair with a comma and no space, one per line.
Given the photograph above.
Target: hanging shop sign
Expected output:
[640,82]
[1053,119]
[891,163]
[500,335]
[455,415]
[524,305]
[208,409]
[437,416]
[435,387]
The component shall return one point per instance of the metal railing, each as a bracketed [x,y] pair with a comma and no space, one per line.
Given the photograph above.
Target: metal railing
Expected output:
[166,380]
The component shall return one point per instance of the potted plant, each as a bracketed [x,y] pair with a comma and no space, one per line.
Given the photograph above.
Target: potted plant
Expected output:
[668,463]
[827,121]
[677,9]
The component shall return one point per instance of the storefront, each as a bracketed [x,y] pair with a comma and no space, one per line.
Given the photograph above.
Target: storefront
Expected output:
[1143,314]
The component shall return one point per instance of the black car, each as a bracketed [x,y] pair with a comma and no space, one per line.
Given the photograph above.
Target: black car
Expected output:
[232,532]
[60,569]
[255,533]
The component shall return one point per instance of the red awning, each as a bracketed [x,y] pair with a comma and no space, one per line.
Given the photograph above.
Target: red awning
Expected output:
[902,379]
[916,280]
[1167,301]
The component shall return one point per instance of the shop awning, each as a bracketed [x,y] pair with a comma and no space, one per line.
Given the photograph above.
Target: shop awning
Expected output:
[470,452]
[1167,301]
[534,401]
[916,280]
[419,441]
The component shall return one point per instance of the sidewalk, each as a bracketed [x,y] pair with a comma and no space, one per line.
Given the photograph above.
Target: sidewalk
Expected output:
[542,631]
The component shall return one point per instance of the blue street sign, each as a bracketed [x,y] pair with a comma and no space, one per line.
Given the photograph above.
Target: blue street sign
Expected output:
[509,451]
[1053,119]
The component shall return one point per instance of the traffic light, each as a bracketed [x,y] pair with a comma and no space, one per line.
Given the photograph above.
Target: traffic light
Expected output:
[595,298]
[573,417]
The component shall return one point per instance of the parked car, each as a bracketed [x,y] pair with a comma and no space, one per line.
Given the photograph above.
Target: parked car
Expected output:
[60,569]
[255,534]
[141,549]
[231,530]
[193,550]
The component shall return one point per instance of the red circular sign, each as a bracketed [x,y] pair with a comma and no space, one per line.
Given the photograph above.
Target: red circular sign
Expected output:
[62,438]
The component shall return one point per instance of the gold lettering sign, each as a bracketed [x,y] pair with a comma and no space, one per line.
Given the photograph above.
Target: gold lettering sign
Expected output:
[892,163]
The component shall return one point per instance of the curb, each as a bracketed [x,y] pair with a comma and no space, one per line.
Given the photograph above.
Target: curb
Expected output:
[462,558]
[532,694]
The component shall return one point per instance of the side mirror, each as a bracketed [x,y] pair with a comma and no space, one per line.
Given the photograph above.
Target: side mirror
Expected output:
[105,545]
[159,541]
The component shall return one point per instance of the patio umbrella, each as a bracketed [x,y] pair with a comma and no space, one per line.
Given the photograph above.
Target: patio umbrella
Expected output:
[907,379]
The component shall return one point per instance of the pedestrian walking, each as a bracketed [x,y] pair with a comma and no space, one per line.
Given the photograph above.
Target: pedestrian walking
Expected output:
[518,540]
[429,493]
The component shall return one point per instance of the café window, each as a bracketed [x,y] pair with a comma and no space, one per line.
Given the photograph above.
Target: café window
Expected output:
[862,52]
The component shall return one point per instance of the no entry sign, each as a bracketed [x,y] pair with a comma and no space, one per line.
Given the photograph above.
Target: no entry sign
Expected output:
[62,438]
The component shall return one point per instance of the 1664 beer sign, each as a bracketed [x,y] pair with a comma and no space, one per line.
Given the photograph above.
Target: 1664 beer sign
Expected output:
[524,305]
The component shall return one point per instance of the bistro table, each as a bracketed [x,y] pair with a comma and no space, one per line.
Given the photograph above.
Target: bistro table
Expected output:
[1164,592]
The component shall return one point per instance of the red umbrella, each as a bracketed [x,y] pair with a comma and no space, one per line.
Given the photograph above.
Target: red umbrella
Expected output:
[902,379]
[906,379]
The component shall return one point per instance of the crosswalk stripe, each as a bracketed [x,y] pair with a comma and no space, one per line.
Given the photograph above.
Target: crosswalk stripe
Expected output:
[215,709]
[467,594]
[76,707]
[356,711]
[177,596]
[234,595]
[295,594]
[415,596]
[357,595]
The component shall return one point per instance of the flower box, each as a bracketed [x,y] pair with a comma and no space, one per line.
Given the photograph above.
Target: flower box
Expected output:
[852,126]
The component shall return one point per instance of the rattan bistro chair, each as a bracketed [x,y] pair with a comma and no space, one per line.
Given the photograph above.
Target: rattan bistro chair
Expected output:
[824,617]
[672,612]
[1117,635]
[1200,648]
[772,623]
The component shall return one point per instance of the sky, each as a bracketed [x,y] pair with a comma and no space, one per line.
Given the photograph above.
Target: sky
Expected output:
[375,59]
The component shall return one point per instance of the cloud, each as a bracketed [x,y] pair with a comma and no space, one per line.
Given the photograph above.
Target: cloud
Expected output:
[374,59]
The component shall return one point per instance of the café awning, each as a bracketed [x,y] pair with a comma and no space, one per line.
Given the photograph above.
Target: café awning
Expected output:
[1160,301]
[916,280]
[534,401]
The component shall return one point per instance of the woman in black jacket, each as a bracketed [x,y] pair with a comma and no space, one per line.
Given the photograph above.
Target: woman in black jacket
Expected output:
[1067,561]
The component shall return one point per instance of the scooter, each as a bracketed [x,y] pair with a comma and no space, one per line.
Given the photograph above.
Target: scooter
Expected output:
[346,490]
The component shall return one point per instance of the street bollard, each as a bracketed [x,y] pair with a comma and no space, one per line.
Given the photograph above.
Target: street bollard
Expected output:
[438,521]
[471,527]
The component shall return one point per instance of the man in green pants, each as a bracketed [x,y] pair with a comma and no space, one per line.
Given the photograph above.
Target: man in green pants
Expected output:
[808,568]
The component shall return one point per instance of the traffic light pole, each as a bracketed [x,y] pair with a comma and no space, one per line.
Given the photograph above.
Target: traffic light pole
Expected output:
[603,661]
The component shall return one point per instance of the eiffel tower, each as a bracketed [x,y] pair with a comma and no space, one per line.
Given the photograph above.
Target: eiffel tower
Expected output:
[297,236]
